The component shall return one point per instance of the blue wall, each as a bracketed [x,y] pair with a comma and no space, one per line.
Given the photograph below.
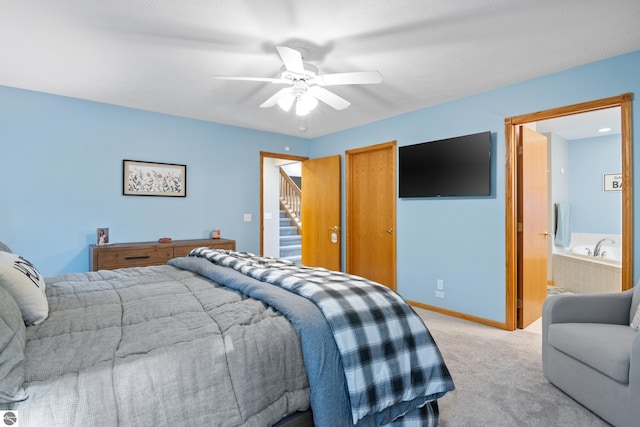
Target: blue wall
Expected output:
[462,240]
[592,209]
[62,159]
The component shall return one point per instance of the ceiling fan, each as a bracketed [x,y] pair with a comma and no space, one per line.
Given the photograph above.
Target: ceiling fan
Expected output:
[305,86]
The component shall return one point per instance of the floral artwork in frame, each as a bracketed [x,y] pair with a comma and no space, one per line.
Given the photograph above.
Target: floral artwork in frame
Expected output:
[154,179]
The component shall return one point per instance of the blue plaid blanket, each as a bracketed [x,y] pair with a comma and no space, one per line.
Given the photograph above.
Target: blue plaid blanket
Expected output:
[392,364]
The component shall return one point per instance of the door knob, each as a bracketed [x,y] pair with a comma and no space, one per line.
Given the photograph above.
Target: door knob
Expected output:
[545,234]
[390,230]
[334,228]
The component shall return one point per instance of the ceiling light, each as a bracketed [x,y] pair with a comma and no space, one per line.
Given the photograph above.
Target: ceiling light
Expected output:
[286,101]
[305,104]
[603,130]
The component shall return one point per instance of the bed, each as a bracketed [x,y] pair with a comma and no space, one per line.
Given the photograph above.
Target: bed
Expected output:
[217,338]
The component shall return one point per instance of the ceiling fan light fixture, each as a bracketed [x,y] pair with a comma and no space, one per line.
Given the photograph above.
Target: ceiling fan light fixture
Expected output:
[305,104]
[286,101]
[306,86]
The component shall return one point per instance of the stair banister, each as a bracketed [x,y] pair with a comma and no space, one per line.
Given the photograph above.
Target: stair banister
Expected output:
[290,198]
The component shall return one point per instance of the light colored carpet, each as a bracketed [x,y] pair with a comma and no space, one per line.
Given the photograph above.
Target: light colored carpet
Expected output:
[498,378]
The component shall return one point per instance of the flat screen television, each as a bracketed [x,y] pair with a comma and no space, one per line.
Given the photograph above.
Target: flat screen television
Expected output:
[458,166]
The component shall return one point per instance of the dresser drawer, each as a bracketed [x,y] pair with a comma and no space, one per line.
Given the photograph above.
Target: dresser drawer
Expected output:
[134,257]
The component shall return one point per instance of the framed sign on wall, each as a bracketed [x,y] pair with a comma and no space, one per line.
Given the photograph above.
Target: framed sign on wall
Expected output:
[612,182]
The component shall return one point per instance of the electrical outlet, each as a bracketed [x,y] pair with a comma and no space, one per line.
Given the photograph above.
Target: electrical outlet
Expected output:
[440,294]
[440,285]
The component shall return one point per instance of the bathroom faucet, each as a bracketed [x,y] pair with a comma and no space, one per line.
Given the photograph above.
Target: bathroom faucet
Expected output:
[596,249]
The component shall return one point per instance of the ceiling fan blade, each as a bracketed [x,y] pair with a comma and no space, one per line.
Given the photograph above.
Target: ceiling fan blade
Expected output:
[273,100]
[329,98]
[354,78]
[250,79]
[292,59]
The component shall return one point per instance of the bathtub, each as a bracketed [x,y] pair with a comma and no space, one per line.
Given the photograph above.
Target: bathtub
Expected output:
[579,272]
[608,254]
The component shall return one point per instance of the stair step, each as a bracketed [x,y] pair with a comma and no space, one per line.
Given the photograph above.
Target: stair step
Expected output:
[290,250]
[291,230]
[290,240]
[285,222]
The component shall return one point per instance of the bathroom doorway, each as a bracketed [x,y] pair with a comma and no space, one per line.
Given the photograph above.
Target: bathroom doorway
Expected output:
[584,202]
[516,283]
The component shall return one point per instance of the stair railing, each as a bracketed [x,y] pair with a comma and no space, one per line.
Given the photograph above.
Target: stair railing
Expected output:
[291,199]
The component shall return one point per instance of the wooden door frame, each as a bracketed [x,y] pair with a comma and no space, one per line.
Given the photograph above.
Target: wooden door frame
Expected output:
[511,195]
[263,155]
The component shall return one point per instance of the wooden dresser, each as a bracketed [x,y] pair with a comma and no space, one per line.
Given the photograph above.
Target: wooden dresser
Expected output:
[141,254]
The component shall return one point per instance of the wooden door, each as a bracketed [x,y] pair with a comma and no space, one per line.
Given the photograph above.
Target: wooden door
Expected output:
[532,215]
[321,196]
[371,213]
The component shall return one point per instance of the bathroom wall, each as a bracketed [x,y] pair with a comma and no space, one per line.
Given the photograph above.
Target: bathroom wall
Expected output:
[576,169]
[559,168]
[594,210]
[558,152]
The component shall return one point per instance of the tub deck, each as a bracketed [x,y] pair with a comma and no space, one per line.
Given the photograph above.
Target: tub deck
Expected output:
[586,274]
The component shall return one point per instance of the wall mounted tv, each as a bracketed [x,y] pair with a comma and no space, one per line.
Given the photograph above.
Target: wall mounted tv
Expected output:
[458,166]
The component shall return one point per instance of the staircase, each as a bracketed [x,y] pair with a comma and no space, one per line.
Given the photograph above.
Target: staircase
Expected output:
[290,240]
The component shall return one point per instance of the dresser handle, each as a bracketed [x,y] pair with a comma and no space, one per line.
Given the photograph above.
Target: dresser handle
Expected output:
[137,257]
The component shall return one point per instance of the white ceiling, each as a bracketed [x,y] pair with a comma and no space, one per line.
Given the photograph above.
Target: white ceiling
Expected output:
[585,125]
[161,55]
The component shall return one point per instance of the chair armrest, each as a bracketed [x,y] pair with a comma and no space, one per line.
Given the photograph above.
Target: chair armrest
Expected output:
[634,378]
[584,308]
[588,308]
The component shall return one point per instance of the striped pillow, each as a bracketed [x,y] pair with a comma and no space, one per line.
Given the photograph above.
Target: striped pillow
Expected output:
[26,285]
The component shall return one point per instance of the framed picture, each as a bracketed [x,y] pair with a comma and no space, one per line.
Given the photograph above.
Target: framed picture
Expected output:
[153,179]
[102,236]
